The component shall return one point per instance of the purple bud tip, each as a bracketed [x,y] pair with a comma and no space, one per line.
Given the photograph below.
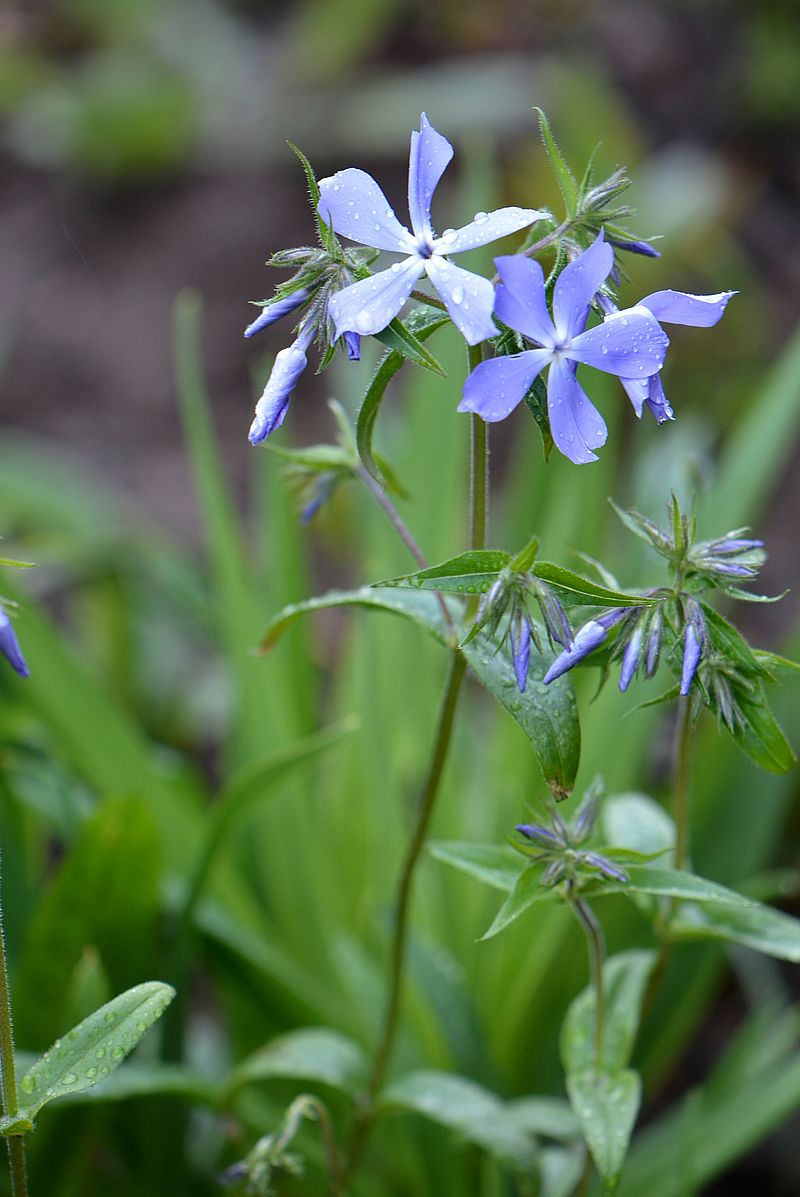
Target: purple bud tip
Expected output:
[637,247]
[352,343]
[277,310]
[540,835]
[10,648]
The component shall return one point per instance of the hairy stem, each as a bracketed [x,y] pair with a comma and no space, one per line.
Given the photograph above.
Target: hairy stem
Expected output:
[403,531]
[8,1075]
[597,954]
[479,502]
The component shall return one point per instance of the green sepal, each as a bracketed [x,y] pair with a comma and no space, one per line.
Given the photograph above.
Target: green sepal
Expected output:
[399,338]
[525,558]
[326,233]
[567,183]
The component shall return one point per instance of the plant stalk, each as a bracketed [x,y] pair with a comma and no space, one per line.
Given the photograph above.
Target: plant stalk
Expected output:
[8,1075]
[479,502]
[597,954]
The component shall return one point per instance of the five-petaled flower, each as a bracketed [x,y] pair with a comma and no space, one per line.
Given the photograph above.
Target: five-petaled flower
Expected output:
[669,307]
[354,204]
[629,344]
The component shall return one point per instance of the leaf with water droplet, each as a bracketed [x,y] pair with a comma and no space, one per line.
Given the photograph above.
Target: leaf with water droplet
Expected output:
[69,1065]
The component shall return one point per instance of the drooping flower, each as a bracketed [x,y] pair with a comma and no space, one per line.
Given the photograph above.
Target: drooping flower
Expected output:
[10,647]
[630,345]
[669,307]
[274,402]
[353,203]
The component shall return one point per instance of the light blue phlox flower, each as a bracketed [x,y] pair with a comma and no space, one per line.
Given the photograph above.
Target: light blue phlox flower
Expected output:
[354,204]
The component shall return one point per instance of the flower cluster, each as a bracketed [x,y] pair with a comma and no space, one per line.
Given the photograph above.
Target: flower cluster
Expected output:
[511,597]
[672,612]
[559,847]
[344,301]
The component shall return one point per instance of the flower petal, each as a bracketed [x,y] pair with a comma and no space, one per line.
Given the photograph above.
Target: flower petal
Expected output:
[354,204]
[521,653]
[577,286]
[678,307]
[468,297]
[637,390]
[368,306]
[486,227]
[520,301]
[630,344]
[277,310]
[575,423]
[494,388]
[427,162]
[692,652]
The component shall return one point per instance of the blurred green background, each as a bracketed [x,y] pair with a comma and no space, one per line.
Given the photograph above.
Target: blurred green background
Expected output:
[143,152]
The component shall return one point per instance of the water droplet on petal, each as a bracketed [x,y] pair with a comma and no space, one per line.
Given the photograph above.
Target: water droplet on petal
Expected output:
[458,295]
[481,217]
[363,320]
[448,236]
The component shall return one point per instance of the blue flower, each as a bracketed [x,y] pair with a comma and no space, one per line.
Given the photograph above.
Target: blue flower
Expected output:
[9,646]
[274,403]
[354,204]
[587,638]
[670,307]
[630,344]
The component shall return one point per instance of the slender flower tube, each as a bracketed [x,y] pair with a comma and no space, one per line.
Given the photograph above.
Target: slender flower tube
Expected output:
[587,638]
[10,647]
[354,204]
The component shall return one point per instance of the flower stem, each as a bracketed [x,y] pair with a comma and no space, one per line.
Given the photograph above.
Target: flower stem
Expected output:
[403,531]
[8,1075]
[404,889]
[479,503]
[597,953]
[680,799]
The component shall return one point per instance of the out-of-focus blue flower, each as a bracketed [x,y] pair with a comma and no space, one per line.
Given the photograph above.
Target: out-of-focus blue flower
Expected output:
[274,402]
[670,307]
[277,310]
[353,203]
[635,247]
[521,653]
[10,647]
[630,345]
[587,638]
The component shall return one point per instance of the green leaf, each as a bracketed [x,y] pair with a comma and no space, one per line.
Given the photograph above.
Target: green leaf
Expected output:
[469,1109]
[606,1107]
[311,1054]
[755,926]
[494,864]
[567,183]
[583,592]
[548,1117]
[625,978]
[561,1171]
[425,325]
[468,573]
[637,822]
[536,403]
[759,735]
[92,1050]
[729,641]
[547,714]
[315,457]
[526,890]
[399,338]
[666,883]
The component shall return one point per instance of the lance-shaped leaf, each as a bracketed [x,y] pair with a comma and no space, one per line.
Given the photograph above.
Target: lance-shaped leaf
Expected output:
[583,592]
[311,1054]
[547,714]
[755,926]
[606,1107]
[469,573]
[91,1051]
[401,346]
[494,864]
[625,978]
